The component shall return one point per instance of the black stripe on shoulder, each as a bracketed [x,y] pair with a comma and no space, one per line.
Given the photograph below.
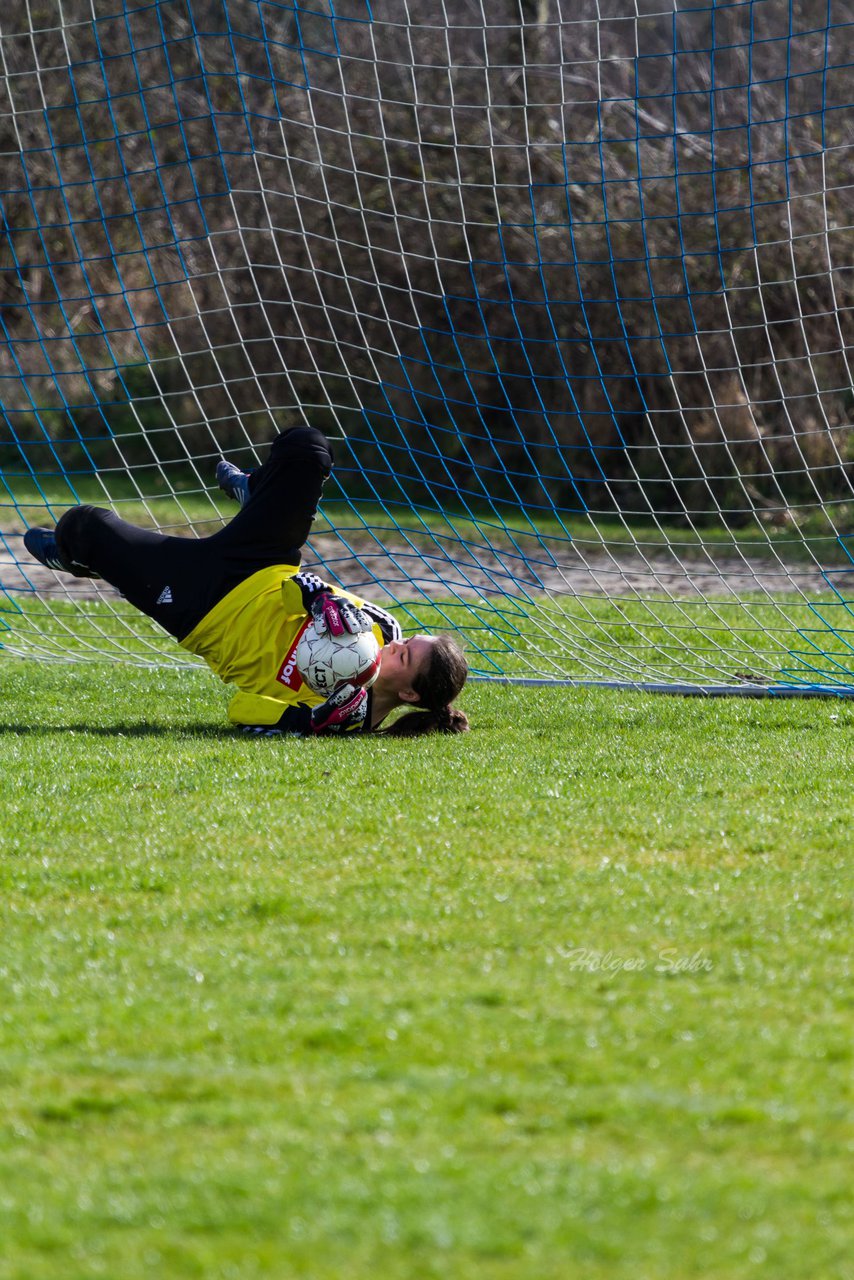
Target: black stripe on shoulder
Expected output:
[388,625]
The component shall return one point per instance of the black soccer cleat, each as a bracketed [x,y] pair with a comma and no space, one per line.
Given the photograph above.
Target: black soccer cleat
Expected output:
[41,545]
[233,482]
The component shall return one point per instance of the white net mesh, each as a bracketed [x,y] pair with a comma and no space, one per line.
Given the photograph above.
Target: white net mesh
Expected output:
[567,285]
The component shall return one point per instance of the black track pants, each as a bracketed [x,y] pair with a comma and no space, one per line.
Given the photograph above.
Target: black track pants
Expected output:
[177,581]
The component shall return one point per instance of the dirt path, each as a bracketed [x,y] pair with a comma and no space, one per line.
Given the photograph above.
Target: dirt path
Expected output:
[392,571]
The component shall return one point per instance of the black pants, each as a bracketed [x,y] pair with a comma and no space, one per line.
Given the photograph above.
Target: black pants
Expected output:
[177,581]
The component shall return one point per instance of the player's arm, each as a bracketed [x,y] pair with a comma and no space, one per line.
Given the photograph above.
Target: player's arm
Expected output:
[253,710]
[331,611]
[358,615]
[345,711]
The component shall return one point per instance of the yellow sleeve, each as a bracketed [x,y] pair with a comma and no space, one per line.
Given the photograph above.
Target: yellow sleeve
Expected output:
[254,708]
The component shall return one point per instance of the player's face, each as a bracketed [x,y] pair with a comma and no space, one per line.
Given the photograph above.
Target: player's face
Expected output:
[404,660]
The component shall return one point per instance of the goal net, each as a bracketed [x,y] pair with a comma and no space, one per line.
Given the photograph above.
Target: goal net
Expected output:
[567,284]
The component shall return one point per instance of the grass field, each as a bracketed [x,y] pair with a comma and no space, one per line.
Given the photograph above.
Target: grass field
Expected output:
[569,997]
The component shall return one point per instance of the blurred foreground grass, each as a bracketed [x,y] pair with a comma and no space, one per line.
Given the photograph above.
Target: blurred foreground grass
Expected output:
[567,997]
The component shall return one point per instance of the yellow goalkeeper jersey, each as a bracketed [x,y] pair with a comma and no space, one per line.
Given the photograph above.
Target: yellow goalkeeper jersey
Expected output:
[249,638]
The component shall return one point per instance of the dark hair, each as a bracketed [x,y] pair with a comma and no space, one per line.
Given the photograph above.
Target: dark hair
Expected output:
[436,688]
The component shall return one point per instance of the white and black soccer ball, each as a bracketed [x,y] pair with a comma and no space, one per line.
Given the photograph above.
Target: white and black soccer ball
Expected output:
[325,662]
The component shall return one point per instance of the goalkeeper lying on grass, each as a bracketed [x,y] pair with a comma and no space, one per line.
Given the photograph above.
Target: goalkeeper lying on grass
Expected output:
[239,600]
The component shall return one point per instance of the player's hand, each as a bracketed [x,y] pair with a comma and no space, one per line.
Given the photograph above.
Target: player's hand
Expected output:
[336,615]
[343,712]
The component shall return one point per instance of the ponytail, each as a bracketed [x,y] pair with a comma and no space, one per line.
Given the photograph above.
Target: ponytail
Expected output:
[445,720]
[436,690]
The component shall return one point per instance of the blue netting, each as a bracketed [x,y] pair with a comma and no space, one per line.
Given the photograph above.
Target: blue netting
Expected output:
[568,285]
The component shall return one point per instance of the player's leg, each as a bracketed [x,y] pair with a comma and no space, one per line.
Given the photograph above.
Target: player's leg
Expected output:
[168,578]
[177,581]
[274,523]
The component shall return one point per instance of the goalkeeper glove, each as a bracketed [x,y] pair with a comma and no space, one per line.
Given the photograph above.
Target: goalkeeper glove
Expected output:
[343,712]
[337,615]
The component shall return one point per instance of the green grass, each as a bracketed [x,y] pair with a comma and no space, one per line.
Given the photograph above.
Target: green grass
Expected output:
[567,997]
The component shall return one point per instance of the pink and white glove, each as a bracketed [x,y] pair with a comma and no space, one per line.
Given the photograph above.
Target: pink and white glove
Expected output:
[343,712]
[336,615]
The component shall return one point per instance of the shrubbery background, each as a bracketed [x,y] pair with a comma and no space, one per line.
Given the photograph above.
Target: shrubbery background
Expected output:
[647,217]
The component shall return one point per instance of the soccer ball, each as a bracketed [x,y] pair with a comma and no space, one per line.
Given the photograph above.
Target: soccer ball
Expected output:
[326,662]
